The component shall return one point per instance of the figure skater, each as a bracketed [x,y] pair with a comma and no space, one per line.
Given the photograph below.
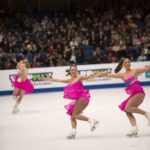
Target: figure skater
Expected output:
[21,84]
[134,89]
[80,99]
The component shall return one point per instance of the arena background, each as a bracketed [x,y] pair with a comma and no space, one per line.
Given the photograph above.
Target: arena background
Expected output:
[51,35]
[92,34]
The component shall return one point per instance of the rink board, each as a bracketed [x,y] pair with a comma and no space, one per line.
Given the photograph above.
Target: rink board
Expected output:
[7,76]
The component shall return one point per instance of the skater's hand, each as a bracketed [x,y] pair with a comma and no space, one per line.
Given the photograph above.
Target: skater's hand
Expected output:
[103,74]
[99,74]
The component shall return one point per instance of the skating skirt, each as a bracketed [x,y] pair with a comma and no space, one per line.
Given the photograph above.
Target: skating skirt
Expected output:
[132,90]
[26,85]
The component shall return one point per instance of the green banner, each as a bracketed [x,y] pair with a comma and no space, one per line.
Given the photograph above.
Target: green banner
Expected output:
[147,74]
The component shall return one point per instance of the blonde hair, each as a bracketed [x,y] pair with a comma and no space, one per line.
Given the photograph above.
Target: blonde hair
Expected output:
[27,64]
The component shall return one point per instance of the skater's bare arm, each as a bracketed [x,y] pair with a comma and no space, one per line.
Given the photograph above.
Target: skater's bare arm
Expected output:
[56,80]
[94,75]
[115,75]
[142,70]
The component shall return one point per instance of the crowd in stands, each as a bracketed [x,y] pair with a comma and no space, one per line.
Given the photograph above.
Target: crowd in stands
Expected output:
[83,38]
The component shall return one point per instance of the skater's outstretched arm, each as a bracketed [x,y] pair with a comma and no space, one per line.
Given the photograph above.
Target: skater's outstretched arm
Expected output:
[94,75]
[106,74]
[56,80]
[142,70]
[115,75]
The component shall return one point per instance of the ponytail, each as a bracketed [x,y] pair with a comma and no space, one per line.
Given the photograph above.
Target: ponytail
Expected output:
[119,66]
[68,72]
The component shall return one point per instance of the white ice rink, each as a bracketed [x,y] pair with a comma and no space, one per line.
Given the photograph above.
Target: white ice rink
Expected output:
[42,123]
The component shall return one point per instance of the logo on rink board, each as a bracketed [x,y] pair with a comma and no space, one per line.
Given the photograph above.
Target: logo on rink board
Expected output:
[35,78]
[90,71]
[147,74]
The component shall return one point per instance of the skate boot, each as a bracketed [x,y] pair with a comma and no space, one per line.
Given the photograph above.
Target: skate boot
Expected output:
[72,134]
[133,132]
[93,124]
[15,110]
[147,115]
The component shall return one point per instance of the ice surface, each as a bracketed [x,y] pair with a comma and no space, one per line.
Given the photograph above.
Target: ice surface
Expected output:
[42,123]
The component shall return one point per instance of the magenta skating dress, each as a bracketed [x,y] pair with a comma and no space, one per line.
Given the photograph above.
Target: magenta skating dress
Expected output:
[75,91]
[133,88]
[25,85]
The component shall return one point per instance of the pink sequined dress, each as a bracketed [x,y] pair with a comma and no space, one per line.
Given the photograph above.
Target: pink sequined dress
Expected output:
[73,92]
[133,88]
[25,85]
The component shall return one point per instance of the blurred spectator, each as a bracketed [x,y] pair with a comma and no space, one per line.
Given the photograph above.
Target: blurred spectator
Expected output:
[95,35]
[142,57]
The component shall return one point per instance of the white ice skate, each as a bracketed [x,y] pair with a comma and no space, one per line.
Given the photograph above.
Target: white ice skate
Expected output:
[72,134]
[93,124]
[147,115]
[133,132]
[15,110]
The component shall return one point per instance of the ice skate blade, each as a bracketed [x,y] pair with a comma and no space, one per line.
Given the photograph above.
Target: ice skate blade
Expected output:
[14,112]
[132,135]
[71,137]
[95,126]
